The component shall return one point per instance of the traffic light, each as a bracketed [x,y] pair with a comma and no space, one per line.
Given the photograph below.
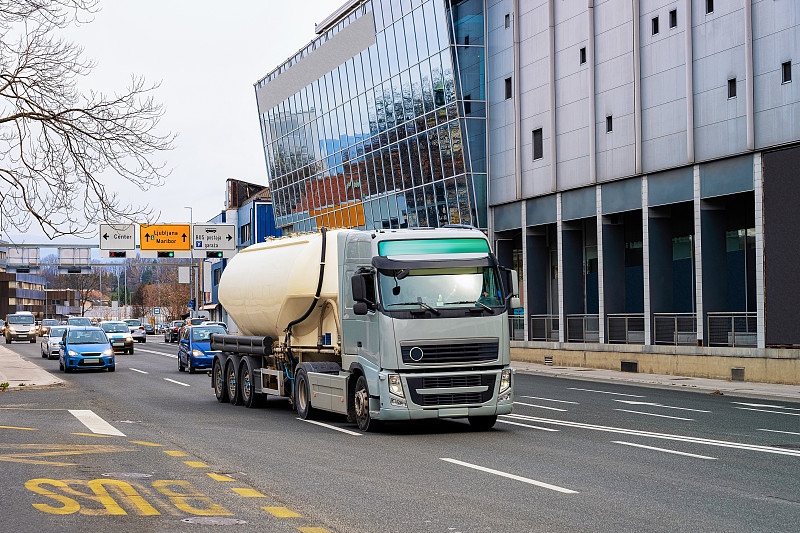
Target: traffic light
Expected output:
[214,255]
[117,254]
[166,254]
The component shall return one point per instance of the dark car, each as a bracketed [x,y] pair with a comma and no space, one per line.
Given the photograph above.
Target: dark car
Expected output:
[149,329]
[195,351]
[48,323]
[85,348]
[173,331]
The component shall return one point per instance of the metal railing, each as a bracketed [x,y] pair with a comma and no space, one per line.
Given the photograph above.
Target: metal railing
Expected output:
[516,324]
[583,328]
[544,328]
[677,329]
[622,328]
[731,329]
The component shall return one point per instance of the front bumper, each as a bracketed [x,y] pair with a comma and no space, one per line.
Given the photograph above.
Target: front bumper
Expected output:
[201,362]
[103,361]
[18,336]
[121,344]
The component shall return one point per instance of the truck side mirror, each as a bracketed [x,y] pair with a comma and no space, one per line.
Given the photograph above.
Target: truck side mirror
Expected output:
[359,288]
[514,283]
[360,308]
[514,302]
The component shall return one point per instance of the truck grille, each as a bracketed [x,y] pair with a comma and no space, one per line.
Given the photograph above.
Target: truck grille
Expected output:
[416,384]
[455,352]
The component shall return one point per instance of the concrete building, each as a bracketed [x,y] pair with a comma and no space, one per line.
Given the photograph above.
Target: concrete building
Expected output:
[633,160]
[22,292]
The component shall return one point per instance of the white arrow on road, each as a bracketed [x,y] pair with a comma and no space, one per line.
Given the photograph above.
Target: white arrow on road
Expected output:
[651,404]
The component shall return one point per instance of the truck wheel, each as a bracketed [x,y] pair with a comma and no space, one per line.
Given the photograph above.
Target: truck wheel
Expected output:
[361,403]
[247,383]
[482,423]
[231,381]
[218,381]
[302,394]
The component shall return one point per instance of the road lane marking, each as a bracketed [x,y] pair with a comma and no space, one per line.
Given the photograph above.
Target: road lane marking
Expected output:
[654,414]
[510,476]
[14,427]
[94,435]
[333,427]
[607,392]
[664,450]
[652,404]
[665,436]
[176,453]
[247,493]
[281,512]
[57,450]
[196,464]
[778,431]
[145,443]
[526,425]
[548,399]
[177,382]
[767,411]
[767,405]
[139,371]
[312,530]
[219,477]
[172,355]
[541,406]
[95,423]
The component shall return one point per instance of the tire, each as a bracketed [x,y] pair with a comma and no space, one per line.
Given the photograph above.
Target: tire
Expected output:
[130,351]
[361,403]
[60,365]
[218,381]
[482,423]
[33,340]
[112,368]
[302,394]
[231,381]
[181,368]
[192,369]
[247,384]
[43,354]
[8,341]
[144,340]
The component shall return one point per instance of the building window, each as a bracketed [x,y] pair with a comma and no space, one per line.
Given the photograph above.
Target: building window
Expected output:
[466,39]
[245,233]
[538,150]
[673,18]
[508,20]
[655,25]
[709,6]
[467,104]
[509,93]
[582,55]
[786,72]
[217,276]
[609,124]
[732,88]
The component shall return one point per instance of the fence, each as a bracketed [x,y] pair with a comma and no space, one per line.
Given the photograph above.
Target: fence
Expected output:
[516,324]
[544,328]
[731,329]
[625,328]
[583,328]
[677,329]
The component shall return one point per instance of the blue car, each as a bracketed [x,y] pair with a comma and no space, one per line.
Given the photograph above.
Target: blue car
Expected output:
[194,351]
[85,347]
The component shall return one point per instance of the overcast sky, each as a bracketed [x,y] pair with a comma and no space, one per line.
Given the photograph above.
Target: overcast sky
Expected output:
[207,56]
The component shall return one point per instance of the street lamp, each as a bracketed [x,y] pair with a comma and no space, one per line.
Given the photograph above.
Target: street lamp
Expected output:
[191,262]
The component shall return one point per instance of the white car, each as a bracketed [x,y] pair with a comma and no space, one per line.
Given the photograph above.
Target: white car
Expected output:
[137,329]
[119,335]
[50,341]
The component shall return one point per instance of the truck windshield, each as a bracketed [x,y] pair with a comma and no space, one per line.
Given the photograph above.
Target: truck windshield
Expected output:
[20,319]
[440,288]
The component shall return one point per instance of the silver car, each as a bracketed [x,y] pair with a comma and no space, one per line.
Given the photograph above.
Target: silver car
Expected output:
[51,340]
[137,329]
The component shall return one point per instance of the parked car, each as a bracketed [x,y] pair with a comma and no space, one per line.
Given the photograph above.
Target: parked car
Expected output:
[81,321]
[51,341]
[3,327]
[85,348]
[172,333]
[21,326]
[47,323]
[119,335]
[223,325]
[195,351]
[149,329]
[137,329]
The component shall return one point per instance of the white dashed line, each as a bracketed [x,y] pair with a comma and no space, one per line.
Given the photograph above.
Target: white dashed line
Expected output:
[139,371]
[526,425]
[606,392]
[768,411]
[664,450]
[778,431]
[510,476]
[651,404]
[540,406]
[95,423]
[767,405]
[172,355]
[177,382]
[654,414]
[333,427]
[548,399]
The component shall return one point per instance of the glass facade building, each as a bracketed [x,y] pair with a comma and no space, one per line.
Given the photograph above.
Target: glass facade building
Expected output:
[380,122]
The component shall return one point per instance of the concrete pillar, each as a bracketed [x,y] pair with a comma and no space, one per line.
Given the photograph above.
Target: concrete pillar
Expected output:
[648,315]
[698,259]
[758,186]
[562,327]
[601,312]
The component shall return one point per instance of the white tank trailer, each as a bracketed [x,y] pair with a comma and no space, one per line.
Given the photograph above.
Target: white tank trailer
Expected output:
[375,325]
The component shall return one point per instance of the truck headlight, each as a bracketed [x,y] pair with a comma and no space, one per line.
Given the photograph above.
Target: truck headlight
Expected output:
[73,353]
[505,380]
[395,385]
[197,353]
[108,352]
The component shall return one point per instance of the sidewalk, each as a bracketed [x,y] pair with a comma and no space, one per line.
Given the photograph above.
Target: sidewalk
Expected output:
[22,374]
[663,381]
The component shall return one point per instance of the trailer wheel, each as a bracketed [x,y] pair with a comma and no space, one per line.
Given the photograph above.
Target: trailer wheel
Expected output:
[361,403]
[302,394]
[482,423]
[247,383]
[218,380]
[232,381]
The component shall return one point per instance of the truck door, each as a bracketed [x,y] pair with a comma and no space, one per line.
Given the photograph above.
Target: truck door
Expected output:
[359,332]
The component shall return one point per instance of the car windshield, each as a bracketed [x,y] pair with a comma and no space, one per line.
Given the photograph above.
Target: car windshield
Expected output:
[57,332]
[81,321]
[204,334]
[133,322]
[440,287]
[49,322]
[177,324]
[114,328]
[86,336]
[20,319]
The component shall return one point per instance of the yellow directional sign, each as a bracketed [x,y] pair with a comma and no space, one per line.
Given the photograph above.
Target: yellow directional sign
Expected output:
[165,237]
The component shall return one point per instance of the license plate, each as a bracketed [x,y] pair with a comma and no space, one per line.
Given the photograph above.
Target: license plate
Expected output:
[91,360]
[117,342]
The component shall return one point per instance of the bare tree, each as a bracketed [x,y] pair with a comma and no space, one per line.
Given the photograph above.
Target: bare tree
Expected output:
[61,148]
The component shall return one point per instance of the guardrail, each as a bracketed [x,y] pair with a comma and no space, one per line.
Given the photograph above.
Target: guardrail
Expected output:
[544,328]
[731,329]
[583,328]
[677,329]
[625,328]
[516,325]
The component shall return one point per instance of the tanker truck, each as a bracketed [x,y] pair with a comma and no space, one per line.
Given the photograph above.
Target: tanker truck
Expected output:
[382,325]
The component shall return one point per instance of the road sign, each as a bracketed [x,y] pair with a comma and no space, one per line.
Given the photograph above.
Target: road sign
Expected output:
[214,237]
[165,237]
[156,310]
[190,305]
[117,237]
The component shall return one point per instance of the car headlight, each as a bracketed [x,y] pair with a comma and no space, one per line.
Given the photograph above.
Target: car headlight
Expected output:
[73,353]
[197,353]
[128,338]
[505,380]
[108,352]
[11,329]
[395,385]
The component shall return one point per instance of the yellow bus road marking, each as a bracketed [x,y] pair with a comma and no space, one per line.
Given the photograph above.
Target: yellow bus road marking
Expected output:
[281,512]
[176,453]
[196,464]
[144,443]
[247,493]
[14,427]
[94,435]
[58,450]
[313,530]
[219,477]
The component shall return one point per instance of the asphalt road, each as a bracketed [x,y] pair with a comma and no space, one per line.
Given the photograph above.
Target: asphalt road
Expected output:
[148,448]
